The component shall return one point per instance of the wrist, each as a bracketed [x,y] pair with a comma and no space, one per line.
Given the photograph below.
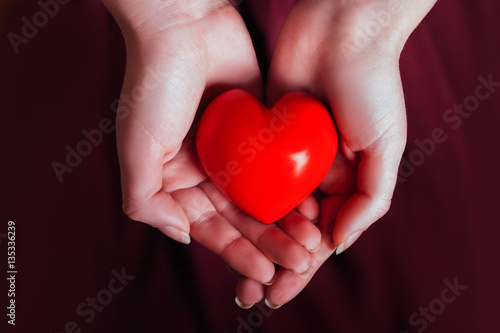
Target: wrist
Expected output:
[149,17]
[370,25]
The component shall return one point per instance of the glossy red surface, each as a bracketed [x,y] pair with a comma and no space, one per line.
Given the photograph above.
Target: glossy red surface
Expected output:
[266,160]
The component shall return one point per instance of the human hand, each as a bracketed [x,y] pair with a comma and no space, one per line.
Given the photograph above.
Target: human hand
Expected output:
[179,56]
[347,55]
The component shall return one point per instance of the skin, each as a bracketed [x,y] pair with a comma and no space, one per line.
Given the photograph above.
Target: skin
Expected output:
[200,48]
[194,56]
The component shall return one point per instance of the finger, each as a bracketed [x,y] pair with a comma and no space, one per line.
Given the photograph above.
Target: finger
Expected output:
[309,208]
[214,232]
[377,176]
[184,170]
[301,230]
[340,179]
[330,206]
[249,292]
[371,115]
[268,238]
[289,284]
[232,271]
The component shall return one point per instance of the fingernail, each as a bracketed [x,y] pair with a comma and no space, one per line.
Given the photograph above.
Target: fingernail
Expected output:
[348,242]
[303,269]
[271,305]
[176,234]
[306,272]
[241,304]
[271,281]
[231,270]
[316,249]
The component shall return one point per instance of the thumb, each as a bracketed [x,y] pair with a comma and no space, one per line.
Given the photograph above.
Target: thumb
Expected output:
[156,109]
[368,105]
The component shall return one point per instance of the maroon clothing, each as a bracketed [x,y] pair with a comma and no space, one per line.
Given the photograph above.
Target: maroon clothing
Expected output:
[431,264]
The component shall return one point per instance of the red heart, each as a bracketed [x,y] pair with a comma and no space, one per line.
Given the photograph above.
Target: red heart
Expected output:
[266,161]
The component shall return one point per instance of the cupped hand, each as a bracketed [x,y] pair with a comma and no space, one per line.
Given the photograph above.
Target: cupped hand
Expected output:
[347,55]
[179,56]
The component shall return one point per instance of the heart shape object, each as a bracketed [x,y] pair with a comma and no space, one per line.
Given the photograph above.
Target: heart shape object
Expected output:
[266,161]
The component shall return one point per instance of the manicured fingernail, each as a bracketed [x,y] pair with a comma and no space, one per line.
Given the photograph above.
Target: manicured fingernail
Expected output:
[176,234]
[271,281]
[241,304]
[271,305]
[348,242]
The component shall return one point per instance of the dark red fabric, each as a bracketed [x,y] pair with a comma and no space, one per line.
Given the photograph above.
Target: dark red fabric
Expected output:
[72,238]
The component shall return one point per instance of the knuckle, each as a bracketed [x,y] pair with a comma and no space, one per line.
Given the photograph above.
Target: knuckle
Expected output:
[271,233]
